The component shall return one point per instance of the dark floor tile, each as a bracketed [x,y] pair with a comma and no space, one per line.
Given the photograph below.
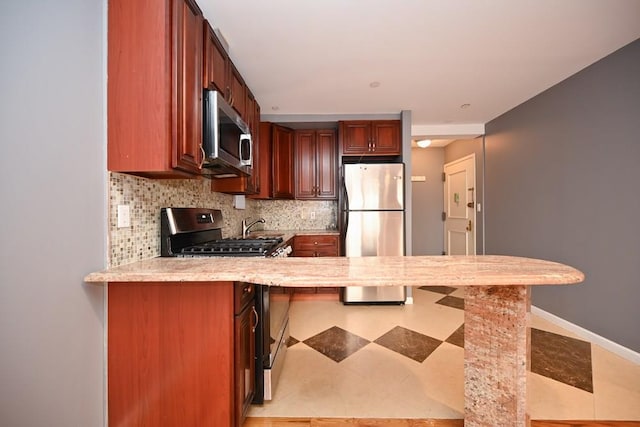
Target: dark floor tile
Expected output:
[409,343]
[292,341]
[336,343]
[450,301]
[562,358]
[457,338]
[446,290]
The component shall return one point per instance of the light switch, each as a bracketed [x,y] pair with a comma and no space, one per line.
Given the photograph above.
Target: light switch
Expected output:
[124,216]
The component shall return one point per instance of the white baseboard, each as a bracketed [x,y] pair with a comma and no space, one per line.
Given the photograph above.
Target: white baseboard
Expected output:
[609,345]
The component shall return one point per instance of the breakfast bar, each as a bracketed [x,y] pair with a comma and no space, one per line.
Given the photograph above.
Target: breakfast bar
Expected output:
[497,311]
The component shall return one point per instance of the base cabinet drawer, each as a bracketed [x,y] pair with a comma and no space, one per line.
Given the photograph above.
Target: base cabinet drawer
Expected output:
[321,245]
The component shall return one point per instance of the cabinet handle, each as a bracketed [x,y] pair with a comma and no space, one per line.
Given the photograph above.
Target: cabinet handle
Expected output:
[257,318]
[247,289]
[315,243]
[203,156]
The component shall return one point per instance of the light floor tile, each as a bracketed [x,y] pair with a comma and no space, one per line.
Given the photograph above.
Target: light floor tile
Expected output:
[458,293]
[439,378]
[616,383]
[540,323]
[377,382]
[553,400]
[435,320]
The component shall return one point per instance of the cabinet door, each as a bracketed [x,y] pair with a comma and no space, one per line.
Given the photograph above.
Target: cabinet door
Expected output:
[386,137]
[282,172]
[264,162]
[215,62]
[237,94]
[187,65]
[245,352]
[355,137]
[305,166]
[326,165]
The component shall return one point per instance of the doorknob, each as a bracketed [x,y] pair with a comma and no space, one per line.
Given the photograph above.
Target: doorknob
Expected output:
[469,227]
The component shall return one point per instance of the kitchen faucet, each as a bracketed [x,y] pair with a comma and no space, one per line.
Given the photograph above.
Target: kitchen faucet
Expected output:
[246,227]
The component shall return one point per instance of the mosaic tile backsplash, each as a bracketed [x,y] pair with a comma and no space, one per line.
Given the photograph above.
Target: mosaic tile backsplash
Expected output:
[145,198]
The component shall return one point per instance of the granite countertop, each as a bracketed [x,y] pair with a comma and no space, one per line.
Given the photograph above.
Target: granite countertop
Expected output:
[486,270]
[290,234]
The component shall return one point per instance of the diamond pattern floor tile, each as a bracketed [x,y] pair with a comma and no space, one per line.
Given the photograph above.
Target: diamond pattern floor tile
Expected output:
[562,358]
[409,343]
[451,301]
[457,338]
[336,343]
[446,290]
[292,341]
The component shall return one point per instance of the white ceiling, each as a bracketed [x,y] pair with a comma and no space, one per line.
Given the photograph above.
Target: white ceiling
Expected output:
[429,56]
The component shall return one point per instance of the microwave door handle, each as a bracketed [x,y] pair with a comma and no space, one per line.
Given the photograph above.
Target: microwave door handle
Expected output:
[249,161]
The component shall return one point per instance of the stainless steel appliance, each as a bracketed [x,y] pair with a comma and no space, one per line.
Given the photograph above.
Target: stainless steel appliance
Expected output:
[226,139]
[373,222]
[198,232]
[193,232]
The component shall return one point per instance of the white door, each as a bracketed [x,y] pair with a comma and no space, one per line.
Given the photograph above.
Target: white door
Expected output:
[459,206]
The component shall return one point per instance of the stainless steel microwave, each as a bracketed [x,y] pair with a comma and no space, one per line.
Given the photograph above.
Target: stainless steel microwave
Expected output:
[226,139]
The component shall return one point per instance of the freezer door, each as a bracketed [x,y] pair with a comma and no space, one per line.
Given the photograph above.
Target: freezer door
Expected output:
[374,186]
[375,233]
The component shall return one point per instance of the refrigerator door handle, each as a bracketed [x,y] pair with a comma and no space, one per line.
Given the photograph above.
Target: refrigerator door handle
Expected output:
[345,211]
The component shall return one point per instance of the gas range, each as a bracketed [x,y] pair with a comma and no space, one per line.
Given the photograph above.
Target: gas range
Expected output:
[190,232]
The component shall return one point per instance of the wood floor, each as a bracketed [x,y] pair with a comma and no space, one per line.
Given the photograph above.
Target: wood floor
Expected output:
[386,422]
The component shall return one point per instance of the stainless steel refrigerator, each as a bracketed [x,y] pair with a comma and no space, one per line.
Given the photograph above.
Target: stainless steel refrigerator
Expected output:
[372,212]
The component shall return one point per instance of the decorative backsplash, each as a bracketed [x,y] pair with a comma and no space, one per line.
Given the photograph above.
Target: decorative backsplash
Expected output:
[297,214]
[145,198]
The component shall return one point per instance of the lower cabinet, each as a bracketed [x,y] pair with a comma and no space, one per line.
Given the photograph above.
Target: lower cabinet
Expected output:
[180,354]
[246,320]
[314,246]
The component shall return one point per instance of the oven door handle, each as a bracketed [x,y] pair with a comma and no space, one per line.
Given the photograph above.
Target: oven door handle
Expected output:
[257,319]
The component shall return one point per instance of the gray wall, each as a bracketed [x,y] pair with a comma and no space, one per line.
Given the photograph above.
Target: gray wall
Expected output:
[462,148]
[427,198]
[53,213]
[562,183]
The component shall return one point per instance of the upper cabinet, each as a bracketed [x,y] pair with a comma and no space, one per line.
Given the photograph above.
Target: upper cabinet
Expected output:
[275,167]
[154,89]
[222,75]
[316,157]
[215,63]
[282,152]
[371,138]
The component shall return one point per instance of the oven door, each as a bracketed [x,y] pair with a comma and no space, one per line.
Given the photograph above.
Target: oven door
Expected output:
[272,335]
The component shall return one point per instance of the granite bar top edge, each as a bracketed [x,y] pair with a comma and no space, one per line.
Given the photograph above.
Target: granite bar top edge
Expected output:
[481,270]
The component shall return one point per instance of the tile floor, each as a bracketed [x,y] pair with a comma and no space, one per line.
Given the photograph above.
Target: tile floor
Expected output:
[407,362]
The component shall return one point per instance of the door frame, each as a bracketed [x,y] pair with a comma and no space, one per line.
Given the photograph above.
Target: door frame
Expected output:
[471,156]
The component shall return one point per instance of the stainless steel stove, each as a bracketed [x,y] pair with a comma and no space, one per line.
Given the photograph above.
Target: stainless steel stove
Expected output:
[198,232]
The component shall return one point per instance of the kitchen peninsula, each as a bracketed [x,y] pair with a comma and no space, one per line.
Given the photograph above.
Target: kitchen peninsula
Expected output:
[172,365]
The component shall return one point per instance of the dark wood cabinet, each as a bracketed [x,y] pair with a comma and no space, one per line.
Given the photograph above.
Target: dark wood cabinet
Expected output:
[215,63]
[246,320]
[371,138]
[154,88]
[237,91]
[282,172]
[275,162]
[315,246]
[221,74]
[180,354]
[316,158]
